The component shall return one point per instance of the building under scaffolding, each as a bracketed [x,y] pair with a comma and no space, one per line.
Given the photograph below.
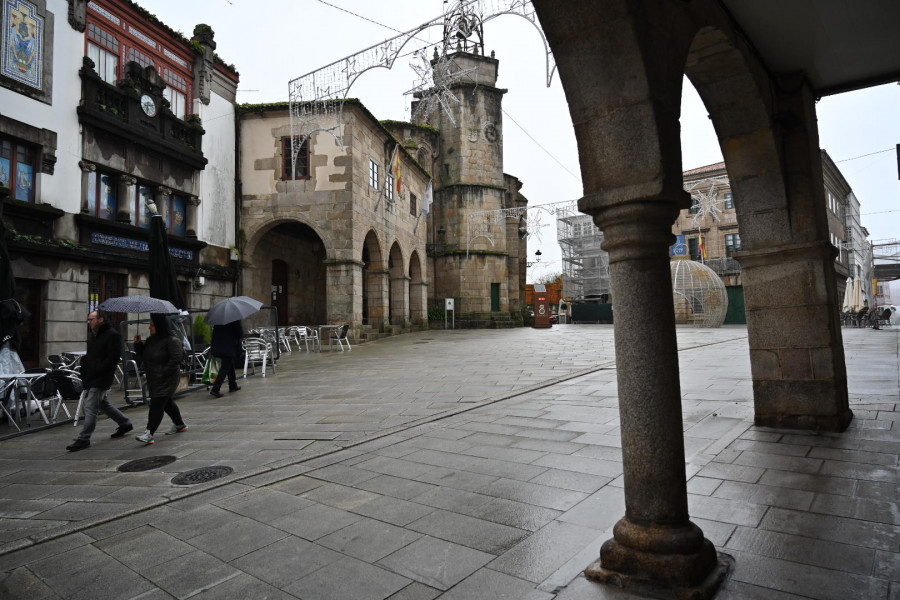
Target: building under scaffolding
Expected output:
[585,264]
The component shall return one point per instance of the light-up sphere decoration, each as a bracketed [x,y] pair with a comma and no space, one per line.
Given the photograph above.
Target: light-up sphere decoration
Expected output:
[699,294]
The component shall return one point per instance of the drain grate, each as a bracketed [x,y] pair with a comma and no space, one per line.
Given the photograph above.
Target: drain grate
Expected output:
[202,475]
[145,464]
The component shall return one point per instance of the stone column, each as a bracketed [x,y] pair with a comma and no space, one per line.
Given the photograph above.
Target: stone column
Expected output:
[162,201]
[418,302]
[126,199]
[86,170]
[400,300]
[655,540]
[191,208]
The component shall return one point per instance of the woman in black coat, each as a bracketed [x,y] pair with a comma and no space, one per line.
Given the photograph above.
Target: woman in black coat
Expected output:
[226,346]
[161,356]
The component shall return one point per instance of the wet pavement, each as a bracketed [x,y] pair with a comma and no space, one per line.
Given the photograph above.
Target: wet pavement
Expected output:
[453,465]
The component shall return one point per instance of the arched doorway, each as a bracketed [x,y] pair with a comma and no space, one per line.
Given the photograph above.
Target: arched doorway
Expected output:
[375,283]
[296,277]
[397,288]
[417,290]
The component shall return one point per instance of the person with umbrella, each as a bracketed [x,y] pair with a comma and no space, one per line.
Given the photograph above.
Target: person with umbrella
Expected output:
[227,335]
[98,368]
[161,355]
[226,346]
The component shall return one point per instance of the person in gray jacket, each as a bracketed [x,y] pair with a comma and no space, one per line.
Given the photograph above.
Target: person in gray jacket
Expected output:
[161,356]
[98,368]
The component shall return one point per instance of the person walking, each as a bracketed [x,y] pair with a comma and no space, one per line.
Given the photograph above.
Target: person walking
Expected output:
[98,368]
[161,356]
[226,346]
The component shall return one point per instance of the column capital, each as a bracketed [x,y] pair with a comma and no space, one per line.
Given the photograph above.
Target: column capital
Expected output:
[193,200]
[87,167]
[163,192]
[127,180]
[637,228]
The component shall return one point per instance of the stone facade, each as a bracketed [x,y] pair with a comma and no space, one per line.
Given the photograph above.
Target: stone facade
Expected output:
[478,259]
[352,253]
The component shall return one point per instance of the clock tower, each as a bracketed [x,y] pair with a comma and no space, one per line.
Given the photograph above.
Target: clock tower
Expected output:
[475,257]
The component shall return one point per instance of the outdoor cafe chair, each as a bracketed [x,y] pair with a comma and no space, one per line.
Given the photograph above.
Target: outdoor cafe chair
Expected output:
[257,351]
[340,336]
[306,336]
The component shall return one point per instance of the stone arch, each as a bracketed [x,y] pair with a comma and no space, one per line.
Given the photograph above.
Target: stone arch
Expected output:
[621,65]
[374,282]
[398,285]
[418,290]
[304,252]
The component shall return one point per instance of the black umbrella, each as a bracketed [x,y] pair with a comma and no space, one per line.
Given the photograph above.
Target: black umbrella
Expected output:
[137,304]
[163,283]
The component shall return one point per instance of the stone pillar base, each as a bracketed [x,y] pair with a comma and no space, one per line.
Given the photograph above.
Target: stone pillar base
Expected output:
[684,565]
[645,586]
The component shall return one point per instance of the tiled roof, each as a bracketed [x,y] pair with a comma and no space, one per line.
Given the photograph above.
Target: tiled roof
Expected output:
[707,168]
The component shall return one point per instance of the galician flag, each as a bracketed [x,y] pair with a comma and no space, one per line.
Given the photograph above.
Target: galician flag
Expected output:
[429,197]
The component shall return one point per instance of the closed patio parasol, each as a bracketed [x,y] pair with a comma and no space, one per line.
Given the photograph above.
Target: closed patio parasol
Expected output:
[163,283]
[848,295]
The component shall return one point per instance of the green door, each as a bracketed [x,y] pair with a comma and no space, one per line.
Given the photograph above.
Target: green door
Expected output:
[495,297]
[735,314]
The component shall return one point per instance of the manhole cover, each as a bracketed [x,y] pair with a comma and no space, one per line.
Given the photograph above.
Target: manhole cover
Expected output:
[145,464]
[202,475]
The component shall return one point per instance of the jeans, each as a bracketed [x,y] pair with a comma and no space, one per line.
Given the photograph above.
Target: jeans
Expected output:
[96,400]
[160,405]
[226,369]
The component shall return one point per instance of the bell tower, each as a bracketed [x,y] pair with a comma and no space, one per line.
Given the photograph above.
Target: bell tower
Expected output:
[470,260]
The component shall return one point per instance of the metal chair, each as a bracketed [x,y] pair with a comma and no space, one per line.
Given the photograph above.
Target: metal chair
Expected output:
[339,336]
[257,351]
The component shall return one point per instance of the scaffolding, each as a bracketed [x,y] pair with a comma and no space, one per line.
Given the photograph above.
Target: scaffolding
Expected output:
[585,263]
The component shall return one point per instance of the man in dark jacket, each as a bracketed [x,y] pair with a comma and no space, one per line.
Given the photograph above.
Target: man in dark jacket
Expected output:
[226,346]
[98,368]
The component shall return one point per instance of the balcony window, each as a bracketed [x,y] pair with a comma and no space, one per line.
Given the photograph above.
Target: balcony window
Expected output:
[103,49]
[729,200]
[102,195]
[17,162]
[292,169]
[732,243]
[374,174]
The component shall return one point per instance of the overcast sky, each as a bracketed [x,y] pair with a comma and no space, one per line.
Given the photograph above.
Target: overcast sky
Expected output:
[271,42]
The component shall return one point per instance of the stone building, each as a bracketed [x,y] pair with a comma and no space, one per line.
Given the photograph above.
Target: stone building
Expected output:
[103,112]
[345,233]
[478,255]
[708,231]
[335,235]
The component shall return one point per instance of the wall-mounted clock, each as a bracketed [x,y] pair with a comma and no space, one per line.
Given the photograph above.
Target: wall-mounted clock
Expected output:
[148,105]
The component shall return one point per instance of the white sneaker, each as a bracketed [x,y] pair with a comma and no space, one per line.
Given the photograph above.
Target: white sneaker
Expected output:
[145,437]
[176,429]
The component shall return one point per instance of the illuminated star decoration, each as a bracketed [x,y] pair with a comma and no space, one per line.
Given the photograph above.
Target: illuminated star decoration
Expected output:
[705,204]
[434,83]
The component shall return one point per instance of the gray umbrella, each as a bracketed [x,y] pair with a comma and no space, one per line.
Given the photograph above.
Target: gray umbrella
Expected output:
[137,304]
[232,309]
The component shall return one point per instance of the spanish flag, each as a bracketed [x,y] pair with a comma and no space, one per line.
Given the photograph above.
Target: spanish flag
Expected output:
[703,248]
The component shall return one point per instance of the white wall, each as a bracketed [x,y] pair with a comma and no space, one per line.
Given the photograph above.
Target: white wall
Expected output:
[216,182]
[63,188]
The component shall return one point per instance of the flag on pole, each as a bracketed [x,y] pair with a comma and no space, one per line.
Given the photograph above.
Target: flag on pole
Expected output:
[702,248]
[429,197]
[395,169]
